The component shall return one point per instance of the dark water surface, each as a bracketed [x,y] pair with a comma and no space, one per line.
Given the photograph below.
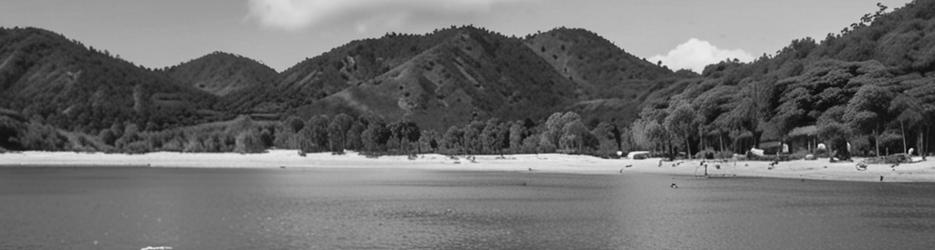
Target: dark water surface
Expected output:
[107,208]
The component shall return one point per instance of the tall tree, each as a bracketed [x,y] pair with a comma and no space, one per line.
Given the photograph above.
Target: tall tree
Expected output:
[552,130]
[472,137]
[294,124]
[397,133]
[753,108]
[337,132]
[868,111]
[681,123]
[454,139]
[492,137]
[574,135]
[404,132]
[353,135]
[428,139]
[411,133]
[608,138]
[315,134]
[375,136]
[248,141]
[517,131]
[908,110]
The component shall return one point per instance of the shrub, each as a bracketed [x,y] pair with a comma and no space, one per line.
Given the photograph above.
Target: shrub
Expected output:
[248,141]
[9,130]
[139,147]
[194,145]
[42,137]
[173,145]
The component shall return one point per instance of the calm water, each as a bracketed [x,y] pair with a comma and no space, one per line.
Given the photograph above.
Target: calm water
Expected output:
[97,208]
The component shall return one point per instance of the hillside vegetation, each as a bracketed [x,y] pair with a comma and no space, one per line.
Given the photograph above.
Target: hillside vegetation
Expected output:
[459,74]
[467,90]
[50,79]
[869,86]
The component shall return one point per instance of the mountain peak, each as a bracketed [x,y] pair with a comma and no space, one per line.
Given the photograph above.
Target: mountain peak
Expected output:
[221,73]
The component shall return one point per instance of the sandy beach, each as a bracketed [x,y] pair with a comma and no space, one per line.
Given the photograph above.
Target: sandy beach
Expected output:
[923,171]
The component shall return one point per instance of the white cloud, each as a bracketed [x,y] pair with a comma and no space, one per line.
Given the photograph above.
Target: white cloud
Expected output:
[695,54]
[299,14]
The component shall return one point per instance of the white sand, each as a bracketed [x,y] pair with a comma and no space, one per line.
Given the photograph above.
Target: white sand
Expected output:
[554,163]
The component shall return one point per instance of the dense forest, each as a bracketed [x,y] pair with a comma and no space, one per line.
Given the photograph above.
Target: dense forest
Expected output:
[867,90]
[561,132]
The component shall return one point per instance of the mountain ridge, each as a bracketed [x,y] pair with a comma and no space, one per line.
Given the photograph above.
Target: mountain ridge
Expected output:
[449,76]
[315,85]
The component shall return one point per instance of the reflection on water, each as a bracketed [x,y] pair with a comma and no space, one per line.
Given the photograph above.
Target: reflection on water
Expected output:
[56,208]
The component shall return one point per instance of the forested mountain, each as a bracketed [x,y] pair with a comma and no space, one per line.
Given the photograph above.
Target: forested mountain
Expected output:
[460,74]
[342,67]
[467,90]
[871,86]
[448,77]
[222,73]
[51,79]
[473,74]
[612,84]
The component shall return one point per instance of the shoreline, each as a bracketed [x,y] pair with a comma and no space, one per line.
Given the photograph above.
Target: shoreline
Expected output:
[542,163]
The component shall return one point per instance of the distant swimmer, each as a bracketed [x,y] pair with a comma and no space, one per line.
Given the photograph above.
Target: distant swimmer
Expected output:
[530,169]
[673,186]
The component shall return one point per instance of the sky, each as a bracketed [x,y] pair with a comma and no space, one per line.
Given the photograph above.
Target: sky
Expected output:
[280,33]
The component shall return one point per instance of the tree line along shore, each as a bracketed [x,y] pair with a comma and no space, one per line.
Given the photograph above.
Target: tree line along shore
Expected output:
[680,134]
[561,132]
